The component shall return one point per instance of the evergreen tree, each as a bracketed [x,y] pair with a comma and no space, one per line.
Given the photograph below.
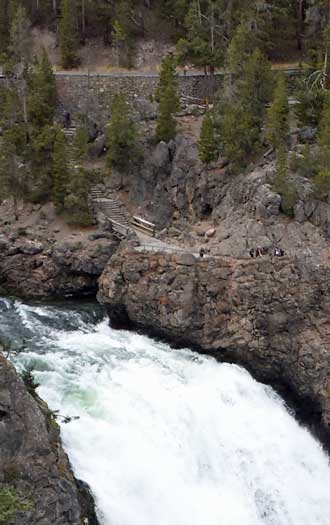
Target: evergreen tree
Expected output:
[60,170]
[282,185]
[122,139]
[167,76]
[21,39]
[241,46]
[42,93]
[4,26]
[309,105]
[322,178]
[126,26]
[41,163]
[321,184]
[278,114]
[80,144]
[13,173]
[168,101]
[76,202]
[206,34]
[238,135]
[255,86]
[166,122]
[324,133]
[207,146]
[69,40]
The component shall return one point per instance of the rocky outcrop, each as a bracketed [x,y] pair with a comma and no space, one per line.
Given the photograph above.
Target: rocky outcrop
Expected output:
[37,486]
[40,269]
[268,314]
[176,191]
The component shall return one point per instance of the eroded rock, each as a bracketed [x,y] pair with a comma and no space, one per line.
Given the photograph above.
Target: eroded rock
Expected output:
[268,314]
[34,469]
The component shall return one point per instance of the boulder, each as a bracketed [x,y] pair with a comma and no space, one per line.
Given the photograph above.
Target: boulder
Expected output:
[98,147]
[210,233]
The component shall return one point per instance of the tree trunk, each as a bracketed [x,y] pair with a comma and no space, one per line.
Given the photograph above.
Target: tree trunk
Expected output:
[199,11]
[300,15]
[83,17]
[15,203]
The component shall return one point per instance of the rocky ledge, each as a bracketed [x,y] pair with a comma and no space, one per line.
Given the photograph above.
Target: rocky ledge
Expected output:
[40,268]
[270,315]
[37,486]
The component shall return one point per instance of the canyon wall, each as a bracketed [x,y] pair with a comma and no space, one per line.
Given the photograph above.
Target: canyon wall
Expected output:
[37,485]
[268,314]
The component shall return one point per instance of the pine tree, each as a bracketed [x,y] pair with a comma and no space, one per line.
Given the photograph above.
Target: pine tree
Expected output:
[42,94]
[278,114]
[168,101]
[207,145]
[322,178]
[282,185]
[238,135]
[166,122]
[13,173]
[60,170]
[324,133]
[122,138]
[4,26]
[255,86]
[241,46]
[76,202]
[80,144]
[21,39]
[69,41]
[41,162]
[206,33]
[167,76]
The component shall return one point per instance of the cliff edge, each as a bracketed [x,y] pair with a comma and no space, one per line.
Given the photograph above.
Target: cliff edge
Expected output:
[268,314]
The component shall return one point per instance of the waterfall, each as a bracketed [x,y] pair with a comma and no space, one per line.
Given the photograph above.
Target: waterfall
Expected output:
[168,437]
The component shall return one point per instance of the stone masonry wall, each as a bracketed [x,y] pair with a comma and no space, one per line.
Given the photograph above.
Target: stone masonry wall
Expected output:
[81,93]
[92,94]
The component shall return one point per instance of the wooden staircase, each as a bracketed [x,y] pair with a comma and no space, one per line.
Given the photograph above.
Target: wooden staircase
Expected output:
[112,210]
[121,223]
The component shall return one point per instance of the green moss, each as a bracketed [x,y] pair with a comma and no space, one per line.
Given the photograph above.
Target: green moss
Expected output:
[11,503]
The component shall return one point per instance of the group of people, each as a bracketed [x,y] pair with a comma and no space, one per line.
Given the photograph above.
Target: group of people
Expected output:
[258,252]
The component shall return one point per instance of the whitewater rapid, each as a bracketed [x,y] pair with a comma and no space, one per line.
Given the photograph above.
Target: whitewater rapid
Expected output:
[168,437]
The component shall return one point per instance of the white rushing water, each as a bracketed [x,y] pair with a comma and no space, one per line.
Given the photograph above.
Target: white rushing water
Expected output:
[170,437]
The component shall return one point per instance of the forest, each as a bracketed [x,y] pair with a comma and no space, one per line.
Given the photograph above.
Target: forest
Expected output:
[252,113]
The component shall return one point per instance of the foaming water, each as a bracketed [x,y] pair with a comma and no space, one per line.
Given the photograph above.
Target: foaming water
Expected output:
[168,437]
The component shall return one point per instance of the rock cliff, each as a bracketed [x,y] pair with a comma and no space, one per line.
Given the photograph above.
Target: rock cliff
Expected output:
[37,485]
[176,191]
[40,269]
[268,314]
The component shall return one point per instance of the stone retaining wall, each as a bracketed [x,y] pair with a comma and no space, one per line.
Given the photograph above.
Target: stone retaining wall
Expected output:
[81,93]
[92,94]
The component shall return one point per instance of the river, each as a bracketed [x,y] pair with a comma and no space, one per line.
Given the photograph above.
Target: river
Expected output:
[167,437]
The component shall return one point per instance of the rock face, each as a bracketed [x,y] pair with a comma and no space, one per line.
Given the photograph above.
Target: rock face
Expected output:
[268,314]
[35,474]
[40,269]
[176,191]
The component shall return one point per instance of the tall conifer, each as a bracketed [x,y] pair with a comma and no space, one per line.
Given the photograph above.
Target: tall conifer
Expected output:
[207,145]
[60,170]
[168,101]
[278,114]
[69,41]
